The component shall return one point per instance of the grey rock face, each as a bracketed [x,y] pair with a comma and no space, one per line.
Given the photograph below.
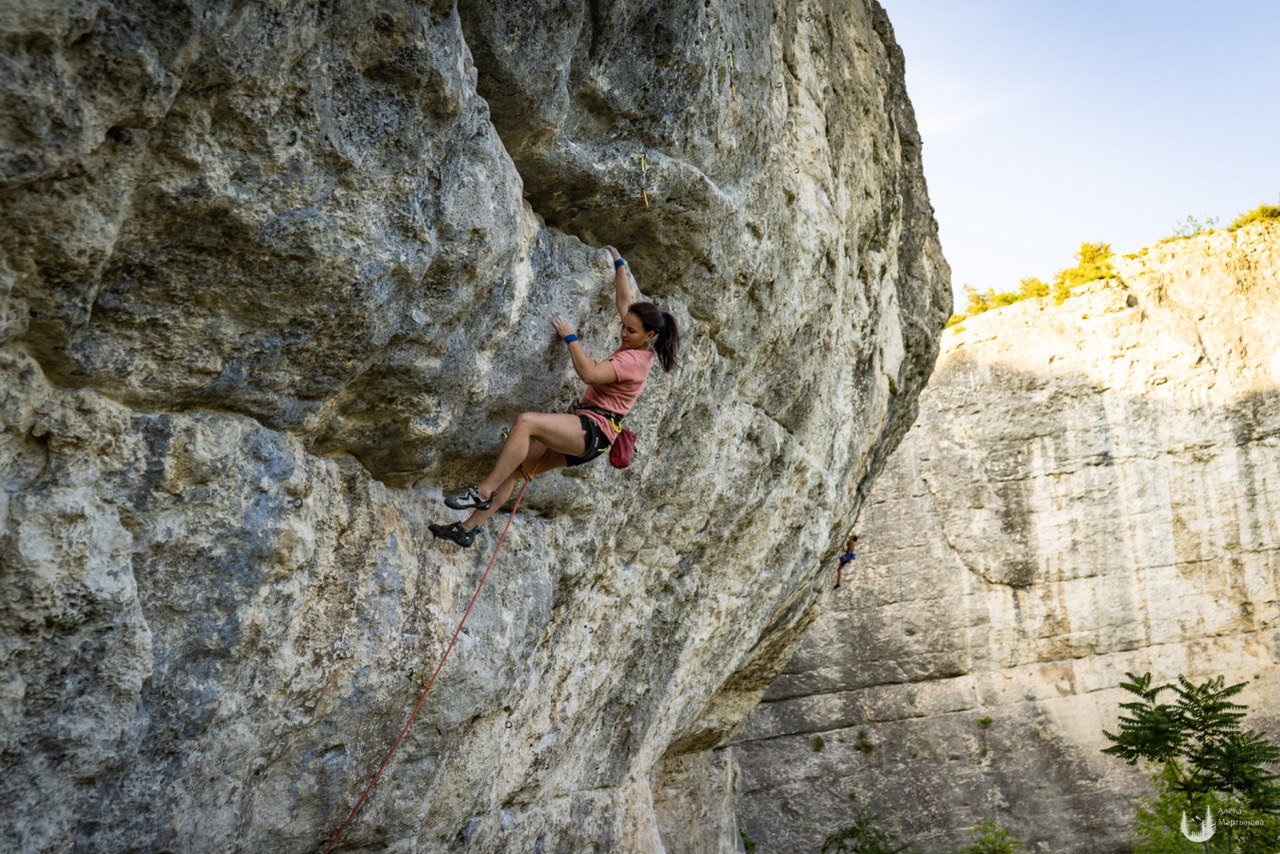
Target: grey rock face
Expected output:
[1090,489]
[275,276]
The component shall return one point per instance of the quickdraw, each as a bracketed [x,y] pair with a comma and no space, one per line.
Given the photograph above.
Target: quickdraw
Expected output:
[644,180]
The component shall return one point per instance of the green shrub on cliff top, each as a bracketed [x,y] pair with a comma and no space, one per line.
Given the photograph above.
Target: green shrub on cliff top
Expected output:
[1032,288]
[1094,263]
[1191,227]
[1261,212]
[980,301]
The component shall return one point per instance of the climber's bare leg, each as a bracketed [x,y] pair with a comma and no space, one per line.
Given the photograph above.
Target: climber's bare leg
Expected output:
[553,460]
[560,432]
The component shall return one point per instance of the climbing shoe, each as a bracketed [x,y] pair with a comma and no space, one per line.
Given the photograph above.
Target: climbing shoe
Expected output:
[469,500]
[455,532]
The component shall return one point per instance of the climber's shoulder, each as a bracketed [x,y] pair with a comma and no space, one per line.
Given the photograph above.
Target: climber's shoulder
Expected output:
[632,364]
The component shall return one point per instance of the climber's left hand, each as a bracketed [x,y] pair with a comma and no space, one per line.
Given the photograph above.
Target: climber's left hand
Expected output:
[563,326]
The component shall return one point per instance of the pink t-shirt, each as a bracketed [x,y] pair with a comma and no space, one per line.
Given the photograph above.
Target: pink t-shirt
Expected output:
[632,368]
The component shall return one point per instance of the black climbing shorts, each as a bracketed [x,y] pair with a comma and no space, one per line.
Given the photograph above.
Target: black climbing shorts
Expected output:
[597,443]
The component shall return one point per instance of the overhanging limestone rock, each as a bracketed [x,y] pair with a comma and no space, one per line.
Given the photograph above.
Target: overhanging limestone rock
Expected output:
[274,277]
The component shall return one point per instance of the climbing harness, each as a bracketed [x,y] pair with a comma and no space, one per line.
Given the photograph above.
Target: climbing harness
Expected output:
[416,677]
[614,419]
[624,442]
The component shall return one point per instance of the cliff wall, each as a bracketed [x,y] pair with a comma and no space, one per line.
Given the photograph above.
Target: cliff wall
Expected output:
[275,275]
[1090,488]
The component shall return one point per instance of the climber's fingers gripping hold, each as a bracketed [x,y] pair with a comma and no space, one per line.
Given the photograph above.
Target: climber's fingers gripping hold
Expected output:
[563,326]
[614,252]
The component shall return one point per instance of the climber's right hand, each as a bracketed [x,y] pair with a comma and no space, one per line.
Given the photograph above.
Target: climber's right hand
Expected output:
[562,325]
[614,252]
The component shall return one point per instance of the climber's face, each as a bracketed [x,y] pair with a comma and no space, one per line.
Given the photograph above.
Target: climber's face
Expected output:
[633,334]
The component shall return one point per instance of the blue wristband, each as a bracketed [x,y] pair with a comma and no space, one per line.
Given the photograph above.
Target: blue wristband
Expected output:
[619,263]
[571,337]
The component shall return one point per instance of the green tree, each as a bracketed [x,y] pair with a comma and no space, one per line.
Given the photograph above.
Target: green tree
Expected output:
[1201,759]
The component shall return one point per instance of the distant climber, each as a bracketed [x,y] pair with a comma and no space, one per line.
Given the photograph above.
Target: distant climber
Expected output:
[849,546]
[567,439]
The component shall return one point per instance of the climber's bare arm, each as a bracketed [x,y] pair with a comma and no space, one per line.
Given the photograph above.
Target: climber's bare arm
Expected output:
[588,369]
[622,284]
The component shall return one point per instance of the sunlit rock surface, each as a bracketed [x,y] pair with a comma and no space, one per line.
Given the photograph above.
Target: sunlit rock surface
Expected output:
[274,276]
[1090,488]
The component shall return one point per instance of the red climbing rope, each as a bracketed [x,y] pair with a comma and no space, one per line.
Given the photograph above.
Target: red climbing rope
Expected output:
[439,666]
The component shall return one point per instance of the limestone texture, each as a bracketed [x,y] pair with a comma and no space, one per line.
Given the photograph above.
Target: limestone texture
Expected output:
[274,276]
[1090,489]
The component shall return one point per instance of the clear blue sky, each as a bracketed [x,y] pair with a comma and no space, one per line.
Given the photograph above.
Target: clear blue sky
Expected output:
[1047,124]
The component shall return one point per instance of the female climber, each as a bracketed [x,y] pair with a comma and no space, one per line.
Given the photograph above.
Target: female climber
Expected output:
[849,546]
[549,441]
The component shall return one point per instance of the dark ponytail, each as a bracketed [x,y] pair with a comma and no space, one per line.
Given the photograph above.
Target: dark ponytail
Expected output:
[666,340]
